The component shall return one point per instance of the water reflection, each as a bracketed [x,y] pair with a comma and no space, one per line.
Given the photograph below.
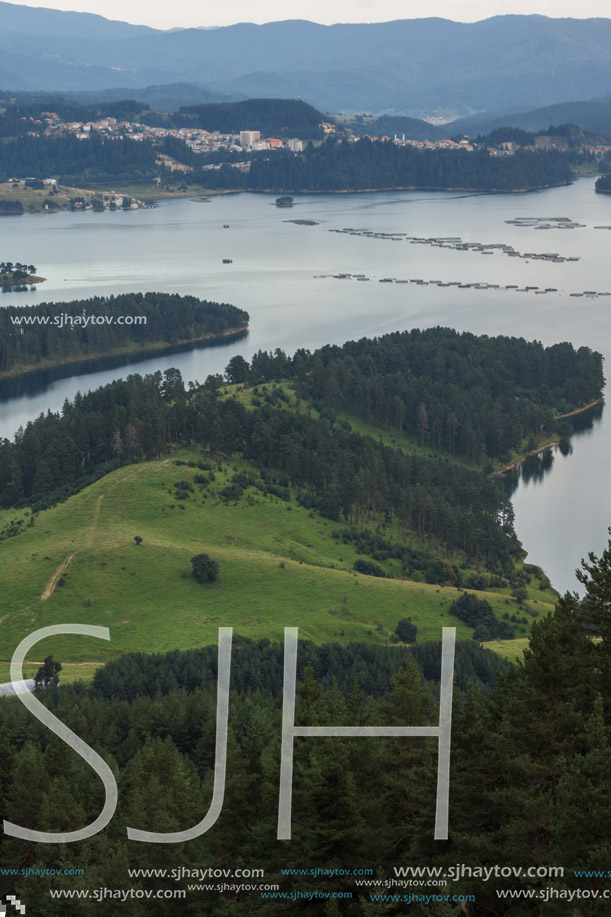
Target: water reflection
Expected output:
[32,384]
[536,467]
[17,288]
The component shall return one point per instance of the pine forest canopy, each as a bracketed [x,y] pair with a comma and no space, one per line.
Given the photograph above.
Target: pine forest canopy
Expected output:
[272,117]
[61,334]
[366,165]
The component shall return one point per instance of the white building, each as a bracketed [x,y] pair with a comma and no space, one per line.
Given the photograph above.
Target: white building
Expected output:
[247,138]
[295,145]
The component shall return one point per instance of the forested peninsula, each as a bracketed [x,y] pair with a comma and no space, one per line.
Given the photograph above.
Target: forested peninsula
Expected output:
[463,396]
[50,334]
[375,165]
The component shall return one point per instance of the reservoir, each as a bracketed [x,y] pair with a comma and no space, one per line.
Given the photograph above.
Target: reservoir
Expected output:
[241,249]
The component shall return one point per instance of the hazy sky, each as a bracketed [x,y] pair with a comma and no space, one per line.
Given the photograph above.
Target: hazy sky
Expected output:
[183,13]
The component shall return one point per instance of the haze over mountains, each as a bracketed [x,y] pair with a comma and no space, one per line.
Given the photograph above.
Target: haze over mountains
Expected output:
[593,115]
[416,67]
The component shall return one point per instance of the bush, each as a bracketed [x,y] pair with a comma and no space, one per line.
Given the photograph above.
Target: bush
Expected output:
[440,573]
[482,634]
[478,613]
[205,568]
[406,631]
[368,567]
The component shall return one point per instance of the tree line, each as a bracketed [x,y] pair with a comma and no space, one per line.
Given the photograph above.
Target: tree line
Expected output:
[56,332]
[368,164]
[75,161]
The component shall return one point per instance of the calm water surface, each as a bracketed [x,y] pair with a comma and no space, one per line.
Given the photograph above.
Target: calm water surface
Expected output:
[562,511]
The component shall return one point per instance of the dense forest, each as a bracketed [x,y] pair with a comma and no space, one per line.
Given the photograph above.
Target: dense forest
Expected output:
[272,117]
[604,183]
[257,666]
[529,784]
[468,395]
[75,161]
[370,164]
[57,332]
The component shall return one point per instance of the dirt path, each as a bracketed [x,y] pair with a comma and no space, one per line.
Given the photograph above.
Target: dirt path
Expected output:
[50,587]
[580,410]
[52,584]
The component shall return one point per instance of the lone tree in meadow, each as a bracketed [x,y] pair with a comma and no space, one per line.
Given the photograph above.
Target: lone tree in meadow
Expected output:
[406,631]
[138,540]
[205,568]
[48,673]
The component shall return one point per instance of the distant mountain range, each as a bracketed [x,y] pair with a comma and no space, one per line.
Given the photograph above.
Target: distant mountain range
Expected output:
[408,67]
[593,116]
[166,98]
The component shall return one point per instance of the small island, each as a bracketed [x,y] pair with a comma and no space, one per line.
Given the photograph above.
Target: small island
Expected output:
[16,275]
[284,201]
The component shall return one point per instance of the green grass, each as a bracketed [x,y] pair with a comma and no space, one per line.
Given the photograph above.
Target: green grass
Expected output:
[33,199]
[280,566]
[79,671]
[511,649]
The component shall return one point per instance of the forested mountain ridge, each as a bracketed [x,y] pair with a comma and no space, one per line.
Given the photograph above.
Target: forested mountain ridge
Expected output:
[440,66]
[593,115]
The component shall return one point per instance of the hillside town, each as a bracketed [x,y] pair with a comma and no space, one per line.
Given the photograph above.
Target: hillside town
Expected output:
[197,139]
[204,141]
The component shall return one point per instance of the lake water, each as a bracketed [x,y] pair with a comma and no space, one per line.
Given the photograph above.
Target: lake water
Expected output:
[562,512]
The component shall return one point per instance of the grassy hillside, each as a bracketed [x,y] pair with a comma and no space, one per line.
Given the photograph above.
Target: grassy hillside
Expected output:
[279,566]
[33,200]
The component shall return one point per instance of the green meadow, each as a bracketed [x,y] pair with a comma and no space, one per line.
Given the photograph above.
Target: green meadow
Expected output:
[279,563]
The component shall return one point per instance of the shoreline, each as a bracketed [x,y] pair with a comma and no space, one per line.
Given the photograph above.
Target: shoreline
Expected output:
[563,184]
[553,442]
[91,358]
[29,281]
[150,199]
